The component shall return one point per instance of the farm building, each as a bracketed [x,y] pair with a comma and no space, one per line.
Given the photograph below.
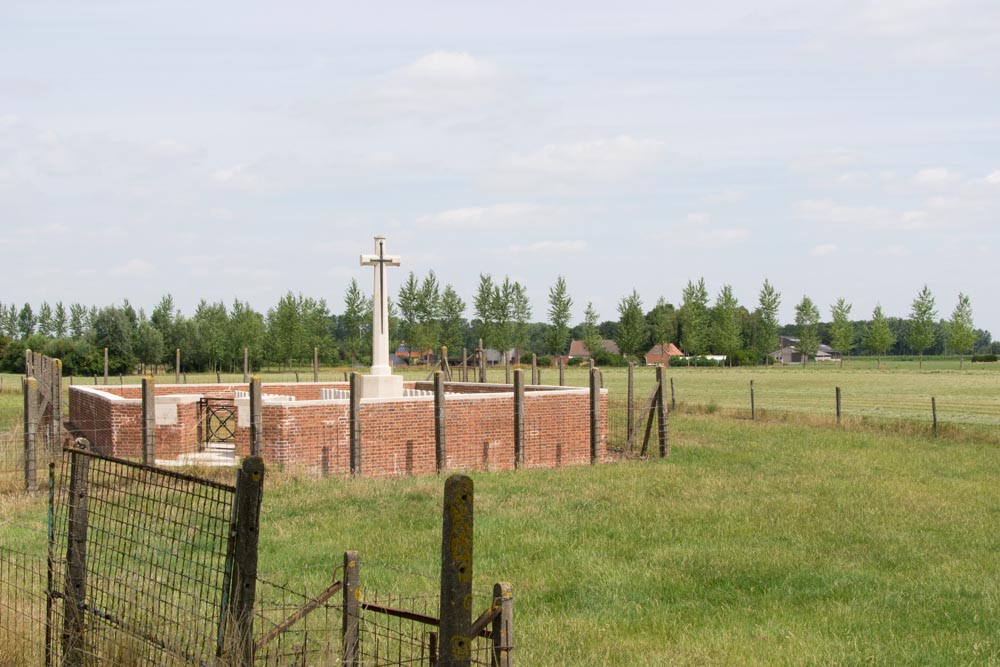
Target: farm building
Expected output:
[788,352]
[657,356]
[578,350]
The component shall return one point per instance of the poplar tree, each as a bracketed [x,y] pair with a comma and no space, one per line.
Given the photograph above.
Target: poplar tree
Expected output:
[591,334]
[452,318]
[842,329]
[559,314]
[878,337]
[922,314]
[59,320]
[632,329]
[726,326]
[356,322]
[45,319]
[694,318]
[768,303]
[961,331]
[807,319]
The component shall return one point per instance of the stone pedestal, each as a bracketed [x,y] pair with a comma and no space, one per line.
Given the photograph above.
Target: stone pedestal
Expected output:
[381,386]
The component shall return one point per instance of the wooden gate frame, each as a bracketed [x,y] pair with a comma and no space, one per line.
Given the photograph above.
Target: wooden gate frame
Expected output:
[42,389]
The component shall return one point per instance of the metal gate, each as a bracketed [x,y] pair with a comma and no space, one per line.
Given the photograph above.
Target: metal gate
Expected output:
[218,420]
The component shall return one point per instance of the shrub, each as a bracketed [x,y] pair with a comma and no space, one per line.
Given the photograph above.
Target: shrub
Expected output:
[984,358]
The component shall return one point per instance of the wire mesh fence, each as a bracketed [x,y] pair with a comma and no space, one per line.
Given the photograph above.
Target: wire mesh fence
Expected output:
[149,548]
[23,608]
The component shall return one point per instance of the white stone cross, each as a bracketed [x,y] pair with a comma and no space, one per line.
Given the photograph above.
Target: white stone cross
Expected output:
[380,307]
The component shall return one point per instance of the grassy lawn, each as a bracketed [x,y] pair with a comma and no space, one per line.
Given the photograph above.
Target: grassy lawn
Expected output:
[754,544]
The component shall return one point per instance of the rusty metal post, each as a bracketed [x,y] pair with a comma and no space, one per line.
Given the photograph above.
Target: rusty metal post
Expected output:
[456,572]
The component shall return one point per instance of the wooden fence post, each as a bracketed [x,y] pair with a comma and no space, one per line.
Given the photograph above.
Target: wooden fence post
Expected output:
[838,405]
[440,445]
[29,386]
[352,609]
[315,364]
[75,589]
[506,367]
[246,364]
[465,365]
[518,418]
[55,424]
[256,417]
[562,373]
[753,405]
[105,365]
[631,399]
[148,420]
[503,625]
[177,366]
[673,396]
[595,417]
[355,424]
[296,375]
[662,434]
[934,414]
[482,362]
[456,572]
[249,489]
[218,376]
[534,368]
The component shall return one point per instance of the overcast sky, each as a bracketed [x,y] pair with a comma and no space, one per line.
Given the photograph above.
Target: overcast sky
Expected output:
[220,150]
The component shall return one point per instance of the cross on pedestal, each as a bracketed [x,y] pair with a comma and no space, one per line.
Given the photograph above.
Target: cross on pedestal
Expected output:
[380,308]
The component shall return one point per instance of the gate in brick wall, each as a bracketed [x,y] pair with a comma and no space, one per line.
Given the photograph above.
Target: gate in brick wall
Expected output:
[218,420]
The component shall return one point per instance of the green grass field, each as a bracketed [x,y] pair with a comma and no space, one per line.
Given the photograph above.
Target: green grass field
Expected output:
[753,544]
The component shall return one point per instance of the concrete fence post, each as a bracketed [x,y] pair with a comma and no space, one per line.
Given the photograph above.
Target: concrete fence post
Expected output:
[148,420]
[440,444]
[355,424]
[256,417]
[352,610]
[518,418]
[29,386]
[456,573]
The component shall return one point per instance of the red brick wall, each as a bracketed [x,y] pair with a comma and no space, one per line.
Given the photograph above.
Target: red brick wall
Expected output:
[397,437]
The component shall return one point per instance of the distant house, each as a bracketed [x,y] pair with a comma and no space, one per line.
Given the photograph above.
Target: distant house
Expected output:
[657,356]
[788,352]
[495,357]
[408,356]
[578,350]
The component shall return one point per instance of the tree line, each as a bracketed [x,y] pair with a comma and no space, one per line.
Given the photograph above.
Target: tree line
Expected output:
[426,315]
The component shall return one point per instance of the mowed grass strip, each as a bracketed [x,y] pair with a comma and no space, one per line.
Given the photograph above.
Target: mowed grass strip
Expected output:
[753,544]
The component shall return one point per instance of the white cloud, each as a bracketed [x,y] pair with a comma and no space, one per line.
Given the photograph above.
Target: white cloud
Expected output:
[698,230]
[134,268]
[583,164]
[836,158]
[548,248]
[439,82]
[244,177]
[937,177]
[170,149]
[895,251]
[220,213]
[496,217]
[994,178]
[727,196]
[873,218]
[823,250]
